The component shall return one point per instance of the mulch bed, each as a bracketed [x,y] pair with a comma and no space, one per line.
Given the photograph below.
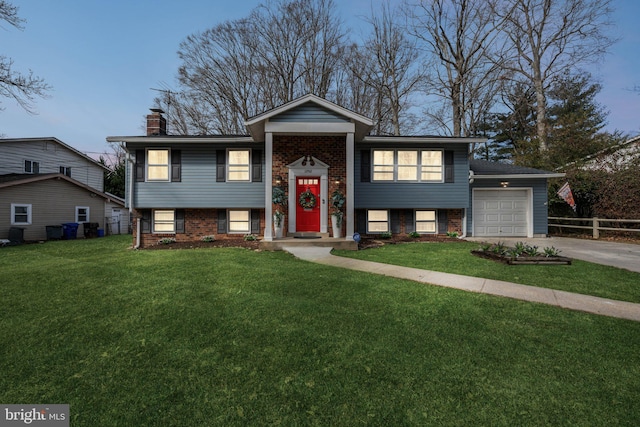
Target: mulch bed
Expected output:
[523,259]
[222,243]
[370,242]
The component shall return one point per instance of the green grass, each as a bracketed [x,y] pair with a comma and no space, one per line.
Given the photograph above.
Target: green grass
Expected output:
[455,257]
[232,337]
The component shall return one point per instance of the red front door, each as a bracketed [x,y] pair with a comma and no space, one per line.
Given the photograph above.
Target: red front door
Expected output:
[307,206]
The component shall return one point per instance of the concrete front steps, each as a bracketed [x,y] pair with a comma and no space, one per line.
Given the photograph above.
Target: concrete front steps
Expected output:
[308,239]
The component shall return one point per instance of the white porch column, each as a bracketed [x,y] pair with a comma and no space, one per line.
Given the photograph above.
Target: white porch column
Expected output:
[350,185]
[268,190]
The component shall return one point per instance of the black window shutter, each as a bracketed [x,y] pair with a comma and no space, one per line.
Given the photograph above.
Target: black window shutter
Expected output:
[361,222]
[36,167]
[255,221]
[145,222]
[443,225]
[448,166]
[139,165]
[256,166]
[409,224]
[221,170]
[176,165]
[365,166]
[222,221]
[180,221]
[395,221]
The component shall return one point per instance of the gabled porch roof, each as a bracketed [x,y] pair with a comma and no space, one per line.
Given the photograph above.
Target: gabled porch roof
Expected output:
[353,122]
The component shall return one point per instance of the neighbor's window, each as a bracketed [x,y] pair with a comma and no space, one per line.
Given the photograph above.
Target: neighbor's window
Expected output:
[20,214]
[239,222]
[65,171]
[239,165]
[31,167]
[158,165]
[164,221]
[383,165]
[82,214]
[377,221]
[431,168]
[426,221]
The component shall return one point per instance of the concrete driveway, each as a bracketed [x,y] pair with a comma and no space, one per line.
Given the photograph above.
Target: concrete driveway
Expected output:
[621,255]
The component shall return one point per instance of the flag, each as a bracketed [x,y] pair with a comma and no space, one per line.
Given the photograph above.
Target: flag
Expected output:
[565,193]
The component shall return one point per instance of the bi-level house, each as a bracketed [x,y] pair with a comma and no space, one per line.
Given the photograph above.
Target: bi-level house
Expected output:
[187,187]
[45,182]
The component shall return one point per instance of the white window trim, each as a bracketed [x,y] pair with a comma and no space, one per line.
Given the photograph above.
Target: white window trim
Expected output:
[32,165]
[13,213]
[78,213]
[249,165]
[148,164]
[396,166]
[388,221]
[153,222]
[435,221]
[248,230]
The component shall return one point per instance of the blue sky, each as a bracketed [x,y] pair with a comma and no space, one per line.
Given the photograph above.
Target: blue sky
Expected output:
[103,57]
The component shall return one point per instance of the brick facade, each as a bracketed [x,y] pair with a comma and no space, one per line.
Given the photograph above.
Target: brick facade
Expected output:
[198,223]
[330,149]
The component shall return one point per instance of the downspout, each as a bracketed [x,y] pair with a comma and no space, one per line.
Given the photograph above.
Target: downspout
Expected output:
[130,175]
[137,245]
[464,215]
[464,224]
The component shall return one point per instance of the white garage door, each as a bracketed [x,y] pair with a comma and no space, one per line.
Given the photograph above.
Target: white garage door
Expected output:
[500,213]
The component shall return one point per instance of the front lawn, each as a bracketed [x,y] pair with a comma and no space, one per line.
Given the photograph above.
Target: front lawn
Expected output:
[233,337]
[455,257]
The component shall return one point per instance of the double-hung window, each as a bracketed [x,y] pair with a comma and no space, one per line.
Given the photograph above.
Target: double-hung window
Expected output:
[426,221]
[408,165]
[239,166]
[431,166]
[239,221]
[158,165]
[20,214]
[65,170]
[164,221]
[377,221]
[82,214]
[383,165]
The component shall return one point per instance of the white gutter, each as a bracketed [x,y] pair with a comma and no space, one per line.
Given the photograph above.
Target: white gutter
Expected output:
[521,175]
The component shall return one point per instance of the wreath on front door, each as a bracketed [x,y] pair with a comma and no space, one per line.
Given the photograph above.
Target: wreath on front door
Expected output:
[307,199]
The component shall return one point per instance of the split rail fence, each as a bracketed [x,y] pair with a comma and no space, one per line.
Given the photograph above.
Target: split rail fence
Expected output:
[596,225]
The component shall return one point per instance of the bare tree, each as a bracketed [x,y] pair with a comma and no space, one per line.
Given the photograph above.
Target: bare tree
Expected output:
[23,88]
[394,72]
[547,39]
[458,35]
[231,72]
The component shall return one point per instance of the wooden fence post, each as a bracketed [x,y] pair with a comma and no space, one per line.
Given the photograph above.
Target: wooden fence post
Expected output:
[596,230]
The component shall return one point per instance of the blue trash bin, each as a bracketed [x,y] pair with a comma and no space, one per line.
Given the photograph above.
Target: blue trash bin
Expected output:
[70,230]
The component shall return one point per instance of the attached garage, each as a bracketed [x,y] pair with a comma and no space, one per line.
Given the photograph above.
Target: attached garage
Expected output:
[502,212]
[507,200]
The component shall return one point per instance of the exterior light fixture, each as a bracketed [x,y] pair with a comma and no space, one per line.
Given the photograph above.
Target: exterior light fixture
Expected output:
[504,184]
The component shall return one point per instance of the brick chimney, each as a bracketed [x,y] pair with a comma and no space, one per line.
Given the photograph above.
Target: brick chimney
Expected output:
[156,123]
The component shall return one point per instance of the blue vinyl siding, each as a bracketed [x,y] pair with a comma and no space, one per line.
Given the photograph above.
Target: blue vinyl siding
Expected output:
[198,187]
[310,112]
[397,195]
[540,209]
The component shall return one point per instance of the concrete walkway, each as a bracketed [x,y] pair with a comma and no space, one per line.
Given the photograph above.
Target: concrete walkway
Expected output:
[589,304]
